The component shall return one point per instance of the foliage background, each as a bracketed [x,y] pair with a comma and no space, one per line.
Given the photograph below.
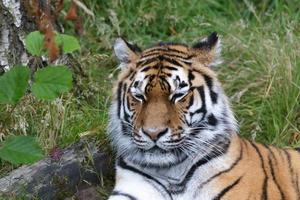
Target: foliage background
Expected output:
[260,72]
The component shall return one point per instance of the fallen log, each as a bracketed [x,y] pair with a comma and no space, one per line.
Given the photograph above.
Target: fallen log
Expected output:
[50,178]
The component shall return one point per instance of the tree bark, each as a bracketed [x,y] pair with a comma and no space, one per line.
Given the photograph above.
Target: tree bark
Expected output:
[14,25]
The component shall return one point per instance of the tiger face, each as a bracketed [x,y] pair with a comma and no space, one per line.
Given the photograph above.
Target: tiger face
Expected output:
[168,104]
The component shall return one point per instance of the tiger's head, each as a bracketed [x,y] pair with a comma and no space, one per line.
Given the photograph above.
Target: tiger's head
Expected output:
[168,104]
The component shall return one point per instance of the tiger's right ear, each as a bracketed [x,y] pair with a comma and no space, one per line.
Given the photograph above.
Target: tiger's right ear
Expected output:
[208,50]
[125,51]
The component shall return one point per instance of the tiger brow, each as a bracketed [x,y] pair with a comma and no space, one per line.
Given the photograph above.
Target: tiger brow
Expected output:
[147,61]
[165,49]
[166,52]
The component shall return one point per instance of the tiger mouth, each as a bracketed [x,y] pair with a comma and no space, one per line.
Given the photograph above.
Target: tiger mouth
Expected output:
[156,149]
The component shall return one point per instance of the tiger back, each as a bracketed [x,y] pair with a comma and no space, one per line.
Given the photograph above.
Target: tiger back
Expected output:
[175,135]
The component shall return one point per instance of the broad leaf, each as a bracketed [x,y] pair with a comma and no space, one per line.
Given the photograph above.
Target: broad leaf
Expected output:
[34,42]
[69,43]
[51,81]
[13,85]
[20,150]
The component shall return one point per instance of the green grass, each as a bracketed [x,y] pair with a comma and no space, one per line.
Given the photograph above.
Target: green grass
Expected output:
[261,52]
[260,72]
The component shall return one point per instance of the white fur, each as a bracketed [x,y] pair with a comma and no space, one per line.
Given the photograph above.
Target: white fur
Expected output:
[142,189]
[132,183]
[217,60]
[122,52]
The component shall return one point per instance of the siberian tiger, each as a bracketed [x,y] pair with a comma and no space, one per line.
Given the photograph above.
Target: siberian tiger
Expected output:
[175,135]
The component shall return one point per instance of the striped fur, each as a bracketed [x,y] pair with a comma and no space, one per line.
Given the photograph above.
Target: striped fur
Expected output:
[175,135]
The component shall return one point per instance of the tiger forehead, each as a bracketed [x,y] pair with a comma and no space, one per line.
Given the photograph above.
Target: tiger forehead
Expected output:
[168,46]
[165,48]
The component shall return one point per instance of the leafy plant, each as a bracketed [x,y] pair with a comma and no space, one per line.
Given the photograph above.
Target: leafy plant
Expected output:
[13,85]
[21,150]
[51,81]
[47,84]
[68,43]
[34,43]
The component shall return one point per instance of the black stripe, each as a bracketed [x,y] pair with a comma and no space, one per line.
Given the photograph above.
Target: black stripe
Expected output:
[124,165]
[208,43]
[129,74]
[239,158]
[191,102]
[168,54]
[178,59]
[132,75]
[203,107]
[191,77]
[126,115]
[274,177]
[211,120]
[129,103]
[146,62]
[126,130]
[227,189]
[183,84]
[158,50]
[176,56]
[272,153]
[119,94]
[146,69]
[133,47]
[264,189]
[173,61]
[220,149]
[295,183]
[167,74]
[166,83]
[176,50]
[213,95]
[265,184]
[171,68]
[176,96]
[117,193]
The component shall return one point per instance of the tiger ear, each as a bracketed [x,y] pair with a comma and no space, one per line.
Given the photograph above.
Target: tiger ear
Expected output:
[208,50]
[125,51]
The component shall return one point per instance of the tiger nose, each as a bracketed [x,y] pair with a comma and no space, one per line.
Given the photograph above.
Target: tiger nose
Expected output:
[154,133]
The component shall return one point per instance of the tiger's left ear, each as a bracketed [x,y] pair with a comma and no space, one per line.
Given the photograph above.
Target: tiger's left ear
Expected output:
[208,50]
[125,51]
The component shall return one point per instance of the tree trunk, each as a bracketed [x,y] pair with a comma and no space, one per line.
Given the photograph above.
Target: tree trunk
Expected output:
[82,162]
[14,25]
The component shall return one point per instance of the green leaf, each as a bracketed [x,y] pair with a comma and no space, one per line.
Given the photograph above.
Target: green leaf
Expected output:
[69,43]
[34,43]
[51,81]
[20,150]
[13,85]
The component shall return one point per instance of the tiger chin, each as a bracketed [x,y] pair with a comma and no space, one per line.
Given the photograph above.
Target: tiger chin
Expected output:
[175,135]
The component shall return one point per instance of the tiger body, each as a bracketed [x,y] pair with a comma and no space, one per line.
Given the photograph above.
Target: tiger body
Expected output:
[175,135]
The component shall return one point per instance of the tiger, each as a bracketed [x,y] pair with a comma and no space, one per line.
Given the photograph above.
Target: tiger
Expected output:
[175,135]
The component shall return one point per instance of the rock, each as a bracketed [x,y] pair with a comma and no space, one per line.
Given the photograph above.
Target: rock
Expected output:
[80,163]
[89,193]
